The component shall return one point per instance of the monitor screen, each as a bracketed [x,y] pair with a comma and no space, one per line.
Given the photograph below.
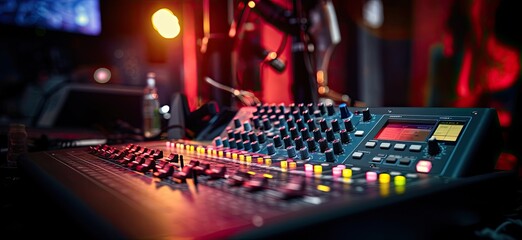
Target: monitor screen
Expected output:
[90,106]
[74,16]
[406,131]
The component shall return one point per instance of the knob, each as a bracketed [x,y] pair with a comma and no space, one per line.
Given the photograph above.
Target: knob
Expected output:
[283,132]
[345,137]
[300,123]
[239,144]
[317,134]
[311,124]
[433,146]
[230,133]
[306,115]
[335,125]
[367,116]
[218,142]
[330,109]
[232,143]
[266,124]
[287,141]
[330,156]
[290,122]
[322,108]
[294,133]
[345,112]
[257,122]
[299,143]
[305,133]
[225,142]
[261,137]
[270,148]
[255,146]
[252,136]
[323,124]
[330,136]
[348,125]
[247,127]
[291,151]
[303,152]
[247,145]
[310,142]
[237,123]
[244,136]
[323,144]
[277,141]
[337,147]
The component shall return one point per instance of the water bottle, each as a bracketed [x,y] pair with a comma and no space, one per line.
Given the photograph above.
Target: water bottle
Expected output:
[151,115]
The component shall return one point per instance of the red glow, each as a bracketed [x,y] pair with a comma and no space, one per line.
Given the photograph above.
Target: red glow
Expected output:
[463,82]
[502,76]
[423,166]
[189,56]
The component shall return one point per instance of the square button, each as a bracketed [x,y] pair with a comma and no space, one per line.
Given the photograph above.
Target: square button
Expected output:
[399,146]
[357,155]
[359,133]
[376,159]
[391,159]
[415,148]
[385,145]
[404,161]
[370,144]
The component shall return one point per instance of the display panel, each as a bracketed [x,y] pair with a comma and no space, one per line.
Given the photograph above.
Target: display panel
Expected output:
[75,16]
[448,131]
[405,131]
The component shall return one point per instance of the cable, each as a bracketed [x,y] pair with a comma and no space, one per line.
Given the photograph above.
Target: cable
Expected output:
[246,97]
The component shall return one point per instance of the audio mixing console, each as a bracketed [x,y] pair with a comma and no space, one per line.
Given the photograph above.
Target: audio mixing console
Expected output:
[309,170]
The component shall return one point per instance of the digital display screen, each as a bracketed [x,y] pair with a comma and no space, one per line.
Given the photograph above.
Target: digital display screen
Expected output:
[75,16]
[448,131]
[405,131]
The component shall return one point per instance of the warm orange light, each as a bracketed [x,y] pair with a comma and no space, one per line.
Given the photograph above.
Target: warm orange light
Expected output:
[272,55]
[251,4]
[166,23]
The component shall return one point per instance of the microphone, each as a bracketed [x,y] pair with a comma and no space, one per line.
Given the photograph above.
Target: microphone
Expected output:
[270,57]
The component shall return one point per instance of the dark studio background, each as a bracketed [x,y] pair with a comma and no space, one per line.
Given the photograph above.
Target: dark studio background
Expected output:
[429,53]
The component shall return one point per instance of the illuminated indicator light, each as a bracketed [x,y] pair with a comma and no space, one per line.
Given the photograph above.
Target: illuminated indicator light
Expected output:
[267,175]
[399,180]
[347,173]
[234,155]
[260,160]
[192,148]
[172,144]
[309,167]
[241,157]
[271,56]
[284,164]
[423,166]
[102,75]
[248,159]
[268,161]
[228,154]
[166,23]
[336,171]
[341,166]
[251,173]
[371,176]
[384,178]
[323,188]
[220,153]
[214,152]
[167,144]
[318,169]
[293,165]
[251,4]
[180,145]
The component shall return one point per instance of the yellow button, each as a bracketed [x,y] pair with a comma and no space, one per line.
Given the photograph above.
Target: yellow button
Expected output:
[399,180]
[384,178]
[347,173]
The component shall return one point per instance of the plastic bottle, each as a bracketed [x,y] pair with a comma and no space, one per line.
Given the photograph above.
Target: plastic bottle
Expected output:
[151,115]
[17,143]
